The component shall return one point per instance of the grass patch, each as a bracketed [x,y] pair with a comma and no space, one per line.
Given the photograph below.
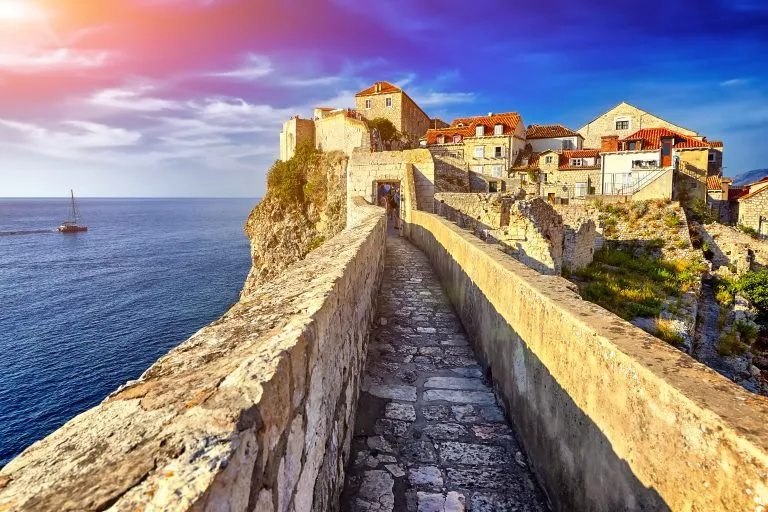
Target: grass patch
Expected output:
[631,285]
[665,331]
[748,230]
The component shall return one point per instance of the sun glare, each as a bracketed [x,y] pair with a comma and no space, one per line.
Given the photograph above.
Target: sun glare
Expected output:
[18,10]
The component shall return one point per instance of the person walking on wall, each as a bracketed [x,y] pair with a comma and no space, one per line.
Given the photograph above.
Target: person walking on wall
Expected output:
[396,206]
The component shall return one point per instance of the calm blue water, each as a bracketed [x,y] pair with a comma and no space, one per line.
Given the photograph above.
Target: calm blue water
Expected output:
[82,313]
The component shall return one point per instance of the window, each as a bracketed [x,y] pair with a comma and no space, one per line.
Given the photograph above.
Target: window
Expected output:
[479,151]
[712,156]
[367,104]
[580,189]
[545,178]
[498,129]
[479,131]
[577,162]
[496,171]
[632,146]
[456,139]
[567,144]
[548,159]
[622,125]
[498,151]
[441,139]
[388,102]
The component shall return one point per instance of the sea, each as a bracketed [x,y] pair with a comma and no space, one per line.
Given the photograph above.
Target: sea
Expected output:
[81,314]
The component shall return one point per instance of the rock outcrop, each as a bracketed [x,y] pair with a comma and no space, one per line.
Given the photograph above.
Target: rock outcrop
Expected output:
[283,229]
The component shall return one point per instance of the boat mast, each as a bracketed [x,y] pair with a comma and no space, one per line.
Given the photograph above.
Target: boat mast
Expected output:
[74,210]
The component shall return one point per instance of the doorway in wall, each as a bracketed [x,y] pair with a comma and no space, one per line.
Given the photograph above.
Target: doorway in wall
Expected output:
[388,196]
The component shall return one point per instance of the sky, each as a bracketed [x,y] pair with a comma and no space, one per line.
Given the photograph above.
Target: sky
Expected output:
[186,98]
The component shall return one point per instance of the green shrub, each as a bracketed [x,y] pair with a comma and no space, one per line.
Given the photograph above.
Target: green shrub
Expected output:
[656,243]
[748,230]
[639,209]
[754,285]
[671,220]
[700,212]
[730,344]
[387,131]
[747,331]
[682,243]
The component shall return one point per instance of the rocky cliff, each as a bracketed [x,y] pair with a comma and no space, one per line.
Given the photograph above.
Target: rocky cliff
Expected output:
[304,206]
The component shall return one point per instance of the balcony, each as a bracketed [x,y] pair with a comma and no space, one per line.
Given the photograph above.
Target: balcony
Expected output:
[645,164]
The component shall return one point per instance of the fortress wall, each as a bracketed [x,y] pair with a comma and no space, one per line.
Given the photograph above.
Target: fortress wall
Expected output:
[253,412]
[611,417]
[365,168]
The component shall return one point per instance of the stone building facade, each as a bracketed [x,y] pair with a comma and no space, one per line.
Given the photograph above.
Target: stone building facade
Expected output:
[753,211]
[623,120]
[488,144]
[295,131]
[341,130]
[555,137]
[560,174]
[390,102]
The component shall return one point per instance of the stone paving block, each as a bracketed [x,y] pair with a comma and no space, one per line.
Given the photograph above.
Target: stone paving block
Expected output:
[403,412]
[436,412]
[452,452]
[431,502]
[393,392]
[426,475]
[375,494]
[475,372]
[477,414]
[455,383]
[392,428]
[445,431]
[459,396]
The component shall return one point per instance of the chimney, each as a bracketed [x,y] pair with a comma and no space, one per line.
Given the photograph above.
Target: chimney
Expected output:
[609,143]
[377,87]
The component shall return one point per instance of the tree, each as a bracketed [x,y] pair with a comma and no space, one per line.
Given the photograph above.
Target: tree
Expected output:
[386,129]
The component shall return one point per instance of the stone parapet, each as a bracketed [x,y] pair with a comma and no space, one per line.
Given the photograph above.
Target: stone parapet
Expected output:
[611,417]
[253,412]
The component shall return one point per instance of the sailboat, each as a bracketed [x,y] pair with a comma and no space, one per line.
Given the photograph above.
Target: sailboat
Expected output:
[71,226]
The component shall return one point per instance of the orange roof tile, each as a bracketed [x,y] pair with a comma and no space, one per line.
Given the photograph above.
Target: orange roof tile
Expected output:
[548,131]
[753,194]
[465,126]
[713,183]
[385,87]
[565,158]
[715,143]
[651,138]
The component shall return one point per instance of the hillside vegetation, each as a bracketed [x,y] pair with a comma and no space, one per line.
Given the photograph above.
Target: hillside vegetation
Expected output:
[304,206]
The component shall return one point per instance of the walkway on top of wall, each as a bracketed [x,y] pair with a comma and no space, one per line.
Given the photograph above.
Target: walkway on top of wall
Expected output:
[430,435]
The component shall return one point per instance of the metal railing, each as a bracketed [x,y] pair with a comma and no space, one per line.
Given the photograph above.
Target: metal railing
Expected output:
[628,189]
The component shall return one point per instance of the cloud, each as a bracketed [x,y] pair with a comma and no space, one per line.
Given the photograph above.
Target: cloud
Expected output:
[734,82]
[438,99]
[61,58]
[255,67]
[69,139]
[131,99]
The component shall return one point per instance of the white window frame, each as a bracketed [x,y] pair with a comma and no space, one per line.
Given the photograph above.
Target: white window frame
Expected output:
[548,159]
[580,189]
[479,152]
[367,104]
[496,171]
[498,129]
[618,119]
[440,139]
[388,102]
[577,162]
[479,131]
[498,152]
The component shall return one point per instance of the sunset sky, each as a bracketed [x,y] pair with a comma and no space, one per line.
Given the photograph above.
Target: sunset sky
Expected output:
[186,97]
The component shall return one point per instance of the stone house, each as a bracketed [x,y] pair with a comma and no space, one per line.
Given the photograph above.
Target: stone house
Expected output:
[637,160]
[752,209]
[329,130]
[390,102]
[623,120]
[559,175]
[554,137]
[487,144]
[717,197]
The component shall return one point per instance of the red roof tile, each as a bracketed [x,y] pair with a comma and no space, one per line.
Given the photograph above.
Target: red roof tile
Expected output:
[651,138]
[385,87]
[737,192]
[565,158]
[713,183]
[752,194]
[715,143]
[548,131]
[465,126]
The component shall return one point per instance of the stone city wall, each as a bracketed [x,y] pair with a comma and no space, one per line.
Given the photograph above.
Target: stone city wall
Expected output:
[528,230]
[253,412]
[733,249]
[365,169]
[611,417]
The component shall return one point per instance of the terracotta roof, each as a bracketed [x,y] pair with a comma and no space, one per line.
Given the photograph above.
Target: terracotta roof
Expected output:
[385,87]
[565,158]
[753,194]
[547,131]
[651,138]
[737,192]
[533,160]
[713,183]
[715,143]
[465,126]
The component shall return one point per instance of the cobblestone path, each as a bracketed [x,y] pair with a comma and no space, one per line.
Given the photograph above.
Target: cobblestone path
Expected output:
[429,434]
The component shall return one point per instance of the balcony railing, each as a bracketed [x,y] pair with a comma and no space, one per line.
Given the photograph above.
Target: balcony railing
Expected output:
[645,164]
